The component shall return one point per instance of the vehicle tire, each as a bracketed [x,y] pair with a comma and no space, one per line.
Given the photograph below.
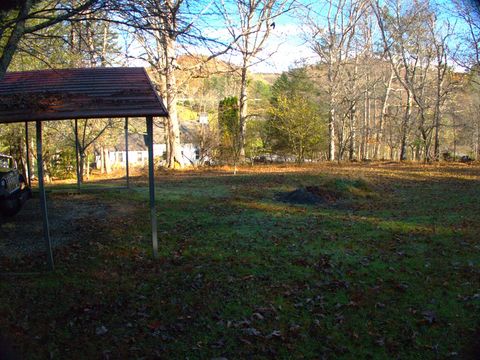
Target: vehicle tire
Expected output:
[10,207]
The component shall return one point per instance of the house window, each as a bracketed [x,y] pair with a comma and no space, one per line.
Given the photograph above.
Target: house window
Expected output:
[120,157]
[139,156]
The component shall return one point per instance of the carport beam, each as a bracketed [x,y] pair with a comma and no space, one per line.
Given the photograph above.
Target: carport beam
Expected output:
[151,183]
[43,200]
[76,154]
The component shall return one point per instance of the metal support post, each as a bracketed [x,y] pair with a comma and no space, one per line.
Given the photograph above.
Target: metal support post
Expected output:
[76,154]
[43,199]
[29,170]
[126,151]
[151,183]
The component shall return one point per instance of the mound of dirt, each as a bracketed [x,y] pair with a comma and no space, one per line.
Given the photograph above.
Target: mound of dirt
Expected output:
[309,195]
[299,196]
[338,192]
[326,195]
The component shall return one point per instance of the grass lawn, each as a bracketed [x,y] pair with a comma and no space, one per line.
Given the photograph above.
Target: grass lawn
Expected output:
[390,268]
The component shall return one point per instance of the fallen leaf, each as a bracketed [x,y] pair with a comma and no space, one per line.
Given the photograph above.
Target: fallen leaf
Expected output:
[101,330]
[252,331]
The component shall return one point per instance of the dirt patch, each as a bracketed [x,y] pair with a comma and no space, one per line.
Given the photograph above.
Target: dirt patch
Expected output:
[71,216]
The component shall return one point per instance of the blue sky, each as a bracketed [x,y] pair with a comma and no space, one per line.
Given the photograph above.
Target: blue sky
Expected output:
[286,41]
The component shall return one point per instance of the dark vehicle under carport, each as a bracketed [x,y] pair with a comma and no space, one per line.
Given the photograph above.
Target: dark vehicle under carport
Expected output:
[14,191]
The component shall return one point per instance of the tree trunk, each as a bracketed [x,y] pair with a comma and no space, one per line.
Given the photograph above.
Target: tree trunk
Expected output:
[331,129]
[381,122]
[32,157]
[477,150]
[167,143]
[331,113]
[454,140]
[363,144]
[15,37]
[243,110]
[175,155]
[87,164]
[90,42]
[427,140]
[103,56]
[48,179]
[436,146]
[353,132]
[102,159]
[437,115]
[331,135]
[22,162]
[373,124]
[106,157]
[81,165]
[341,144]
[405,124]
[367,122]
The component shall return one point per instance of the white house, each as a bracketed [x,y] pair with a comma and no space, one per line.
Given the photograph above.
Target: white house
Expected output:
[138,152]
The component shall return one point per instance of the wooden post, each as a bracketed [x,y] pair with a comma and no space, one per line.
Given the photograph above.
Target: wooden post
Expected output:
[27,143]
[76,154]
[151,182]
[43,199]
[126,151]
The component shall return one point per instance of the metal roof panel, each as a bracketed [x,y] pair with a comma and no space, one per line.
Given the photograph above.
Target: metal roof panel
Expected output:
[77,94]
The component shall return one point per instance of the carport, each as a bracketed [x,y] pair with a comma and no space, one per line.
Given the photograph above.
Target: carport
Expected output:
[72,94]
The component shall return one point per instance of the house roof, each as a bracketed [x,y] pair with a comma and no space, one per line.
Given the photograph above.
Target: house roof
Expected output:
[77,94]
[136,142]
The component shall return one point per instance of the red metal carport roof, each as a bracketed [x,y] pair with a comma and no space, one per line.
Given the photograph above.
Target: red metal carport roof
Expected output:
[77,94]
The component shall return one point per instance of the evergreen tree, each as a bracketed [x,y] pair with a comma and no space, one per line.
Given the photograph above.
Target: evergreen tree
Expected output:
[229,123]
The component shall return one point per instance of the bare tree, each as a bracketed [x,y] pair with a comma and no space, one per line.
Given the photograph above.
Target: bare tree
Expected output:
[166,28]
[249,29]
[442,89]
[403,30]
[331,39]
[383,112]
[157,25]
[23,17]
[468,11]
